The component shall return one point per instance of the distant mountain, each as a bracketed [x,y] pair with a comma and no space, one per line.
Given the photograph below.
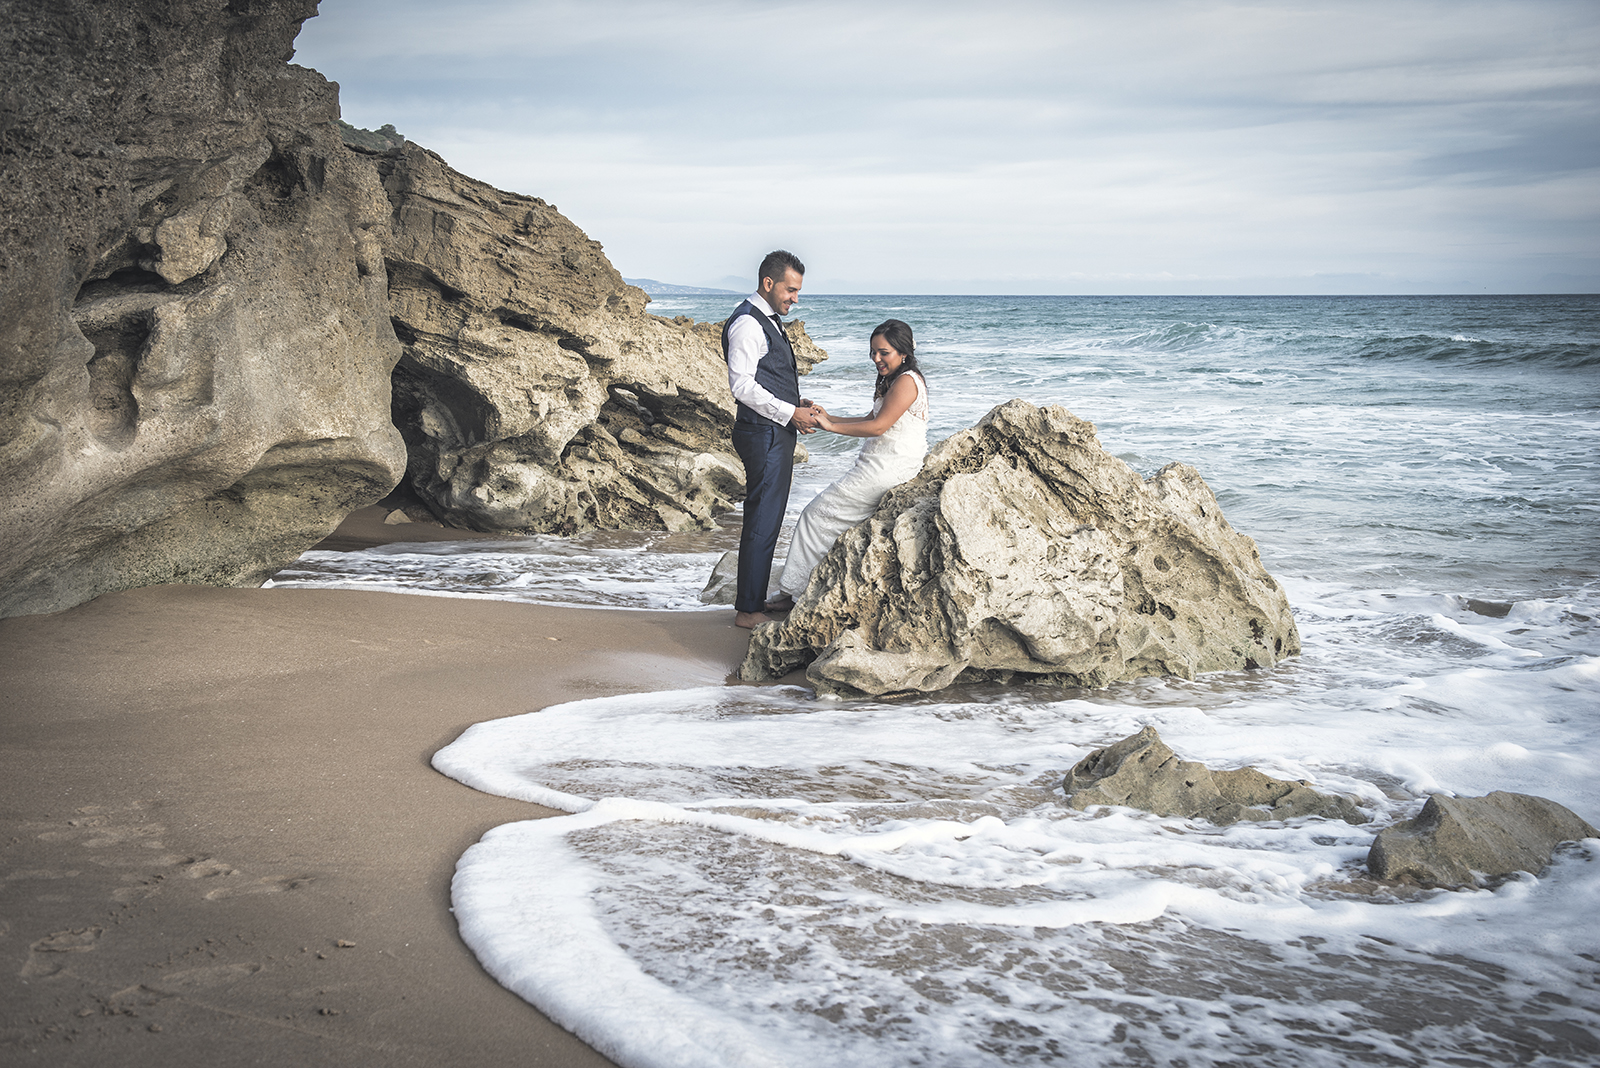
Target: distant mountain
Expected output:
[667,289]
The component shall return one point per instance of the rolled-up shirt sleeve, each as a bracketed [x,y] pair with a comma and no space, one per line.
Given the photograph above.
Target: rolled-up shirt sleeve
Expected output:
[747,343]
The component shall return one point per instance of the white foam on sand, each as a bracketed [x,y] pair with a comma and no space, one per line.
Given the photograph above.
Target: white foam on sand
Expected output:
[535,570]
[599,569]
[760,877]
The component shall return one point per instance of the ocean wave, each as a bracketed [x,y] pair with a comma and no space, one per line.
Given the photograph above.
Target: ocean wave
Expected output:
[1173,337]
[1472,351]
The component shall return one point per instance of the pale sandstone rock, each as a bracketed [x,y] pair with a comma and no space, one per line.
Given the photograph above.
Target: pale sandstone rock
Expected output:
[722,586]
[1024,548]
[1141,771]
[1468,841]
[195,346]
[536,395]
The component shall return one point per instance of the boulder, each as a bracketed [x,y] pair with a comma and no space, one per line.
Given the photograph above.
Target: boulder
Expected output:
[1141,771]
[722,586]
[195,347]
[535,393]
[1469,841]
[1024,548]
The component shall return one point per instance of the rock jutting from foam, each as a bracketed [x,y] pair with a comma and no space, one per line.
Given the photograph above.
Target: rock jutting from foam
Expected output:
[1141,771]
[1458,842]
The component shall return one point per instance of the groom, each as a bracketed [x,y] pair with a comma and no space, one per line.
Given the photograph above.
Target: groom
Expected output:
[766,383]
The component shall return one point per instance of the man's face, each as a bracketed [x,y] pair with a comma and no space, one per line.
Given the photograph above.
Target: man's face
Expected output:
[782,294]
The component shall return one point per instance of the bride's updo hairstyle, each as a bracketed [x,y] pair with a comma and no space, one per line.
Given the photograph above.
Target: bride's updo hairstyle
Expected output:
[898,335]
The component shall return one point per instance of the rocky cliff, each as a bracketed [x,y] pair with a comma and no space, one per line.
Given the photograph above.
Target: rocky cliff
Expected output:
[1023,547]
[535,393]
[195,345]
[200,292]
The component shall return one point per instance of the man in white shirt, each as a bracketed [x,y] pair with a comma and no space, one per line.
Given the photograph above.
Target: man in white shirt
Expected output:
[766,384]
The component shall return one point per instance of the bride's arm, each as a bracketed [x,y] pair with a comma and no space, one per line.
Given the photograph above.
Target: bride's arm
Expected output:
[901,395]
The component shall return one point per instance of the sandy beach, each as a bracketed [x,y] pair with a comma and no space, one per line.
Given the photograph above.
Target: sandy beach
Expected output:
[223,841]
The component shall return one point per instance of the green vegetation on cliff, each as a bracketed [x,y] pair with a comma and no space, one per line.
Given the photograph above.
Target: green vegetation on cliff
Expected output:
[382,139]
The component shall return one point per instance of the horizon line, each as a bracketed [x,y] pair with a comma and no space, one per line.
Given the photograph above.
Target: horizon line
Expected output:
[1331,296]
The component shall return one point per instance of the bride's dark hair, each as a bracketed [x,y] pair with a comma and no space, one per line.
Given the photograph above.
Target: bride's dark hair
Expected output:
[898,335]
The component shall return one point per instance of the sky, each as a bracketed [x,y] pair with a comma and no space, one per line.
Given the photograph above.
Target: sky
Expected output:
[1017,147]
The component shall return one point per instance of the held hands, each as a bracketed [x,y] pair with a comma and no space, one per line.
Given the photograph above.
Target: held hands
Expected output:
[809,416]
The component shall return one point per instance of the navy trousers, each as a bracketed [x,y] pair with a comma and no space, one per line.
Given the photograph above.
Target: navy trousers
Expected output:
[768,454]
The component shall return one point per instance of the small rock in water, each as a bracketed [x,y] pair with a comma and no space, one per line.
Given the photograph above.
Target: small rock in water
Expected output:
[1141,771]
[1458,842]
[722,585]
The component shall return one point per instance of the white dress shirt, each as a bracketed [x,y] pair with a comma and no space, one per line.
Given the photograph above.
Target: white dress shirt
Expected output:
[747,343]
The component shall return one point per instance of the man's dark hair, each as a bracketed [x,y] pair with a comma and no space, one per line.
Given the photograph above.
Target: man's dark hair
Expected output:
[777,263]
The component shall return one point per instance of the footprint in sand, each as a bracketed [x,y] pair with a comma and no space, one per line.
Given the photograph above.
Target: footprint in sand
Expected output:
[36,873]
[95,827]
[204,978]
[207,868]
[130,999]
[45,956]
[272,884]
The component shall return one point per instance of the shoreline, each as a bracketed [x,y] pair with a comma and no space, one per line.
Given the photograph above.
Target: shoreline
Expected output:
[210,791]
[365,528]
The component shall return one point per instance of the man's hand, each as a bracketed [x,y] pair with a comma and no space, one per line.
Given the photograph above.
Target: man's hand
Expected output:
[806,415]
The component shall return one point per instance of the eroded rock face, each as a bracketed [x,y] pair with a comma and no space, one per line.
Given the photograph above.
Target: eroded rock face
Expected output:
[536,395]
[1025,548]
[1458,842]
[194,345]
[1141,771]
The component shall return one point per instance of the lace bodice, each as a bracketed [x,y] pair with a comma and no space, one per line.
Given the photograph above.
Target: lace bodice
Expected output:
[919,407]
[908,436]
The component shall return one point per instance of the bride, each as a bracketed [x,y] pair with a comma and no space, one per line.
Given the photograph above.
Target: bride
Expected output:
[897,438]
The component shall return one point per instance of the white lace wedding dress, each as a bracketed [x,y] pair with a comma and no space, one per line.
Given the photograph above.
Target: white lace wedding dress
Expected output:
[893,457]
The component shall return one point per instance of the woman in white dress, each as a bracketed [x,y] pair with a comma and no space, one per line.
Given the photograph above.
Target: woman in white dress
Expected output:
[897,439]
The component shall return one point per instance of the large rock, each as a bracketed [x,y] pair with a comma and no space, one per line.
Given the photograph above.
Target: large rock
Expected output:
[194,345]
[1467,841]
[536,395]
[1141,771]
[1023,547]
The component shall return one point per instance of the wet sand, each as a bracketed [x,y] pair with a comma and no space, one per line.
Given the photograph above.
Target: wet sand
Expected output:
[222,840]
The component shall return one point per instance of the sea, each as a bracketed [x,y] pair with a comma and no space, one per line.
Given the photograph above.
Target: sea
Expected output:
[753,875]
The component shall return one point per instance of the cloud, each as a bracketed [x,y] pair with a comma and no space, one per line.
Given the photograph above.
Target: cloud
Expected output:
[1047,146]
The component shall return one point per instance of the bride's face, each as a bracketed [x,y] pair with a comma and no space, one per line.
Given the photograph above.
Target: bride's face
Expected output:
[884,356]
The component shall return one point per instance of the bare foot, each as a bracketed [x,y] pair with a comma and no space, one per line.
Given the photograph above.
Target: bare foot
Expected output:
[784,603]
[750,620]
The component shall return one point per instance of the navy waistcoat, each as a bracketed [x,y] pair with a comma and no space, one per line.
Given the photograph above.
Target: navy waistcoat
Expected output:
[776,372]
